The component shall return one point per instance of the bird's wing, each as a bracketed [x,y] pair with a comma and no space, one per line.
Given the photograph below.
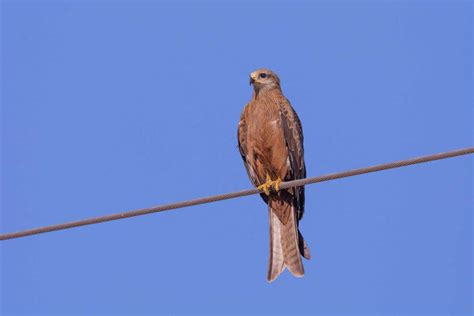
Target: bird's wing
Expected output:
[242,139]
[293,133]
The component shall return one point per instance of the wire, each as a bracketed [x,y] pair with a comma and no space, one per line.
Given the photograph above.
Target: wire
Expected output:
[231,195]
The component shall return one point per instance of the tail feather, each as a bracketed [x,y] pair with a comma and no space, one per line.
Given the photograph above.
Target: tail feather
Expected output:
[286,242]
[276,263]
[304,248]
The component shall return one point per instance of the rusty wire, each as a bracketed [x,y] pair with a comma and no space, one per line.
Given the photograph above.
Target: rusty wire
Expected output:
[231,195]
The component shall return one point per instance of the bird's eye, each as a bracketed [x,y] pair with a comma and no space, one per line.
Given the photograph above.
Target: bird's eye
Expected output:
[263,76]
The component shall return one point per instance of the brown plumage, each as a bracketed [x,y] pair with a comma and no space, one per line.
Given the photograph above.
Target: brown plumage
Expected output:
[271,144]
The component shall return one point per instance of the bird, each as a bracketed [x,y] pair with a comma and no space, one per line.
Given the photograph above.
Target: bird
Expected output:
[270,141]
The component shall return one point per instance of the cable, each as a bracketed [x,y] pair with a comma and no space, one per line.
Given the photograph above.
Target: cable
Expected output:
[226,196]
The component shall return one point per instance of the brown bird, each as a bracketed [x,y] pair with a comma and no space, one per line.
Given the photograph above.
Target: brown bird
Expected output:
[271,144]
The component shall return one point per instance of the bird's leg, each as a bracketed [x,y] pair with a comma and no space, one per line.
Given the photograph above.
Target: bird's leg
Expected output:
[276,184]
[266,186]
[270,184]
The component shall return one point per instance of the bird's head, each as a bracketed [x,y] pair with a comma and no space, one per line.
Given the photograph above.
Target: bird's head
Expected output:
[264,79]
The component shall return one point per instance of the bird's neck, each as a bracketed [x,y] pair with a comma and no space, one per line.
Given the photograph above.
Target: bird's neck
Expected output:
[266,91]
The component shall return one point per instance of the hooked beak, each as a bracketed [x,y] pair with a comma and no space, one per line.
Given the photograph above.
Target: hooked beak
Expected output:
[251,80]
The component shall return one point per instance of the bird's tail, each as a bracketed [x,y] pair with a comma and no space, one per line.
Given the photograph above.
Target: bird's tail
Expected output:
[286,242]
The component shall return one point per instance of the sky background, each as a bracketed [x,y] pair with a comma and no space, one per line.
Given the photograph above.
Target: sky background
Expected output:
[108,107]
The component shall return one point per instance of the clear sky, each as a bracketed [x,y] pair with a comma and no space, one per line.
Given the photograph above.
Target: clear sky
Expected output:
[108,107]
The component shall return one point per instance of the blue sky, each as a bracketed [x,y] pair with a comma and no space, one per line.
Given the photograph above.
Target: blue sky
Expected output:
[108,107]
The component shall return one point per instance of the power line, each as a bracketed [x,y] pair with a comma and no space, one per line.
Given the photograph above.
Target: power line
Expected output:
[226,196]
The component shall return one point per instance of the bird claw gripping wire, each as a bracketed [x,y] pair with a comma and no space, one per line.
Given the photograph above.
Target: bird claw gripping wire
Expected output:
[270,185]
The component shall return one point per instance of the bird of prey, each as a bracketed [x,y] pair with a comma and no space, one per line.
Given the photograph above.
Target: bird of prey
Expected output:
[270,140]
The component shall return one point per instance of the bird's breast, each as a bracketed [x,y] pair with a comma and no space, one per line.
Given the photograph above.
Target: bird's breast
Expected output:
[264,123]
[265,138]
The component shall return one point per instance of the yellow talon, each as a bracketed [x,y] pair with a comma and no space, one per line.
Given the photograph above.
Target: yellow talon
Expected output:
[270,184]
[265,187]
[276,184]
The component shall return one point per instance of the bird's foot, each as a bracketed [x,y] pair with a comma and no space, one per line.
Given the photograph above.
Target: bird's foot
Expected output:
[270,184]
[276,184]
